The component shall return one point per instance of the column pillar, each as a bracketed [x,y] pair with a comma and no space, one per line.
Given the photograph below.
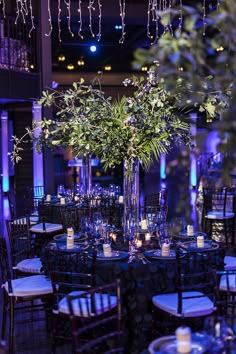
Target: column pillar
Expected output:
[163,166]
[38,172]
[45,62]
[5,157]
[193,160]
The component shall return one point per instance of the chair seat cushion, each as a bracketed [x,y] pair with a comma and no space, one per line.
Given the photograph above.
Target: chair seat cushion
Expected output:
[49,227]
[30,286]
[219,215]
[64,308]
[230,263]
[30,265]
[231,282]
[194,307]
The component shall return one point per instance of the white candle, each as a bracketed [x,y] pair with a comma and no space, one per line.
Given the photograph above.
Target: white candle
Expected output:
[48,198]
[76,198]
[190,230]
[144,224]
[183,337]
[200,241]
[165,249]
[107,250]
[70,238]
[70,231]
[139,243]
[63,201]
[113,236]
[121,199]
[147,236]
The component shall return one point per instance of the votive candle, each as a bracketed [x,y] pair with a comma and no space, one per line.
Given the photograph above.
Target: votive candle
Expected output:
[147,236]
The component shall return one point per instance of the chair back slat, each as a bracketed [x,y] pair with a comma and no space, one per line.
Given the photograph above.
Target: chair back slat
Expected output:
[70,271]
[215,200]
[19,238]
[195,274]
[99,323]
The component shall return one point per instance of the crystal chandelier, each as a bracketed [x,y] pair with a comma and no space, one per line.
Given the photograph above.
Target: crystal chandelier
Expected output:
[156,10]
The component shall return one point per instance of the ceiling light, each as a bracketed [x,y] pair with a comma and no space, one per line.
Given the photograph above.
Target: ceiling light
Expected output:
[107,68]
[144,68]
[93,48]
[80,62]
[61,57]
[70,67]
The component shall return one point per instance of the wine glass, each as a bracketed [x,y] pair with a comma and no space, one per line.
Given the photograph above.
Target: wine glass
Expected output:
[216,327]
[60,190]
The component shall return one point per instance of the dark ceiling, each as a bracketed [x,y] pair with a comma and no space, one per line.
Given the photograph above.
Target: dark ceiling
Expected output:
[109,51]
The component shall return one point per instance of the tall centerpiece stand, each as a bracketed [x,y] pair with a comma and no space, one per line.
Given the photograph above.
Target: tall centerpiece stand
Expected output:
[131,203]
[86,174]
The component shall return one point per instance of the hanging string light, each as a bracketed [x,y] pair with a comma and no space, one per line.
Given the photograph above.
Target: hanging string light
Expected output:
[32,18]
[122,15]
[67,3]
[159,13]
[80,21]
[91,8]
[59,20]
[204,17]
[99,20]
[49,20]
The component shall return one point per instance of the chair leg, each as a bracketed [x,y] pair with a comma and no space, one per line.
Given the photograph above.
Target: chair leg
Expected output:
[11,320]
[4,318]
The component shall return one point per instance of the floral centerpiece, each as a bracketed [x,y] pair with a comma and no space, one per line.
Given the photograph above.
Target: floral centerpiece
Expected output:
[133,130]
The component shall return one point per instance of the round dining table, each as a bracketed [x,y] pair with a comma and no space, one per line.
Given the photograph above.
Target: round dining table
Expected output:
[148,274]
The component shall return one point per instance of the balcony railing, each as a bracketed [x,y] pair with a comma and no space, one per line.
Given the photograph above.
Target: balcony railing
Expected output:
[17,49]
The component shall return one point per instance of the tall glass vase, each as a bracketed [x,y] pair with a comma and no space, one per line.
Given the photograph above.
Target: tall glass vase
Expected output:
[131,197]
[86,174]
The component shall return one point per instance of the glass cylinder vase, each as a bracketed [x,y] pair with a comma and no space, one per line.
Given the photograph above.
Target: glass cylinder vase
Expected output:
[131,198]
[86,174]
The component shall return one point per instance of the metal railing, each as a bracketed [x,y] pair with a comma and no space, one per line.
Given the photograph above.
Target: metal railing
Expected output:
[17,49]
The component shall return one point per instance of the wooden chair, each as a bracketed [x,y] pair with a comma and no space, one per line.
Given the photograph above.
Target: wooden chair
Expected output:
[196,294]
[158,199]
[32,197]
[96,320]
[230,263]
[70,271]
[23,291]
[23,259]
[71,217]
[45,229]
[227,299]
[215,214]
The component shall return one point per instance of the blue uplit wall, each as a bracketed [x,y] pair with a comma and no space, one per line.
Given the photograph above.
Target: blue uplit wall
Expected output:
[163,166]
[5,157]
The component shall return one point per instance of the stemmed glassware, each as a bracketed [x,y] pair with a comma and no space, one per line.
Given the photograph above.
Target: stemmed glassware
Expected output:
[131,233]
[163,235]
[60,190]
[221,334]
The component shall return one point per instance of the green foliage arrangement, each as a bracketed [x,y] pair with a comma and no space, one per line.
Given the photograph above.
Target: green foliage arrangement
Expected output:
[141,127]
[197,53]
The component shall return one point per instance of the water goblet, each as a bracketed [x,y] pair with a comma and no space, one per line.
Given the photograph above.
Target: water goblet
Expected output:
[60,190]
